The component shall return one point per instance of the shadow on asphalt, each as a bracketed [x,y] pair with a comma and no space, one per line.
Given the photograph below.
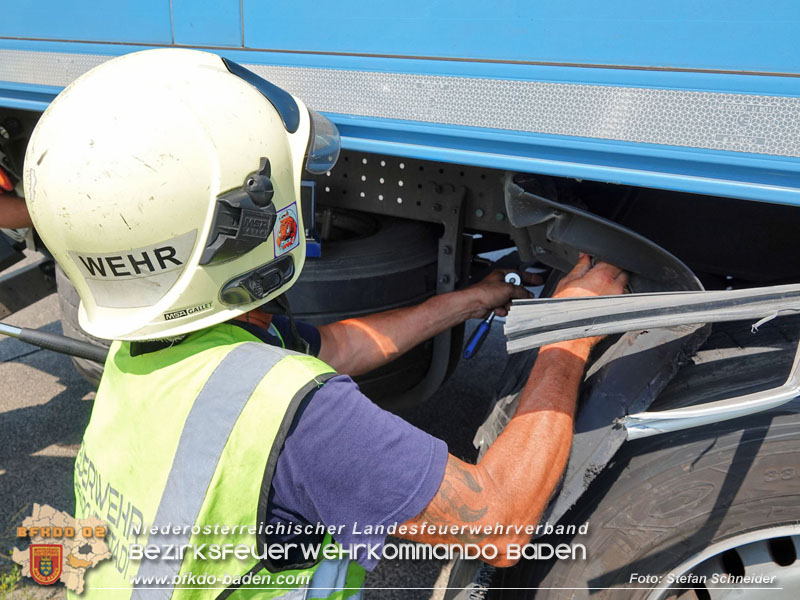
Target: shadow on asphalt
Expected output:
[42,418]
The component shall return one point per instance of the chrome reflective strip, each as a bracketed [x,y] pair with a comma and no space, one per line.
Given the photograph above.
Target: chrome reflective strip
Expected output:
[645,424]
[737,122]
[712,120]
[205,433]
[58,69]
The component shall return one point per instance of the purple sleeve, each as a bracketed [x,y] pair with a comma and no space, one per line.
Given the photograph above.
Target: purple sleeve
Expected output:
[348,462]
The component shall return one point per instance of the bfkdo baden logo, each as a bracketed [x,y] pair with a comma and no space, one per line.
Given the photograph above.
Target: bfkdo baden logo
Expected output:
[62,547]
[46,561]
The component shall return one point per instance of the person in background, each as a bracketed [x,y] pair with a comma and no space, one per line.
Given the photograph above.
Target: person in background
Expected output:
[13,212]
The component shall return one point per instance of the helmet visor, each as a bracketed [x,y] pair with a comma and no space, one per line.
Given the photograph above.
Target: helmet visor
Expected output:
[323,145]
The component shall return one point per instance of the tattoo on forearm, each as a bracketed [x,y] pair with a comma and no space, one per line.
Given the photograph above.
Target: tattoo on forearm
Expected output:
[454,503]
[468,479]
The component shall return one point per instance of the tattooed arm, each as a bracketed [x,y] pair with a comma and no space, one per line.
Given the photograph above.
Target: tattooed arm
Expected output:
[516,477]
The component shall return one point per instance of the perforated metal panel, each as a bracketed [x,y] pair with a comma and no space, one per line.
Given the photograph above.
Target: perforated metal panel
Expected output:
[411,189]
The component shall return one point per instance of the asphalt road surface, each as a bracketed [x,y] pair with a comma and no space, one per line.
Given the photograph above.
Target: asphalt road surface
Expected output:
[45,406]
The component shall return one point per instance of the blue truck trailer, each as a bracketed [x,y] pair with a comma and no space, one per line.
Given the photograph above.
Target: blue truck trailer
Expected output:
[663,137]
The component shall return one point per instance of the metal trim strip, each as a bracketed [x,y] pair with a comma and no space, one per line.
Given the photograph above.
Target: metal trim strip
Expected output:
[646,424]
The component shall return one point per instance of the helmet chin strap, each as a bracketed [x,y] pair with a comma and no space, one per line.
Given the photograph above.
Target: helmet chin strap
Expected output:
[298,344]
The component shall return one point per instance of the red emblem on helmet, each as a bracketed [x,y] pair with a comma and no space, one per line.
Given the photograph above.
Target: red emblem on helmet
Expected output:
[46,562]
[287,232]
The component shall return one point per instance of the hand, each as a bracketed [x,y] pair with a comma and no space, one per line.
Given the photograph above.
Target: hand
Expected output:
[494,294]
[585,280]
[602,279]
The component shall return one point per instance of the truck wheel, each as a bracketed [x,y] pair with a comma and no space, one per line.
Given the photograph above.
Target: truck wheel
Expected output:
[714,501]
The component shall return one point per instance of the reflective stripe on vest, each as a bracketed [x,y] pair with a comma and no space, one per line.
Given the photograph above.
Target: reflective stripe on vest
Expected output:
[200,446]
[211,406]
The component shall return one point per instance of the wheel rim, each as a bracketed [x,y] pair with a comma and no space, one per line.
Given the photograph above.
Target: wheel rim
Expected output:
[767,553]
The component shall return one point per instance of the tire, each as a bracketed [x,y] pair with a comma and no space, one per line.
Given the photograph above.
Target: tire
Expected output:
[370,264]
[68,302]
[667,498]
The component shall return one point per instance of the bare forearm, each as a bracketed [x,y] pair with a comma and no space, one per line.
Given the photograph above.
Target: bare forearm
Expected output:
[516,477]
[355,346]
[528,458]
[13,212]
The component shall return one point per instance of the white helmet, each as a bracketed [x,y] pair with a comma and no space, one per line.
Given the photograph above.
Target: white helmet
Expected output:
[166,183]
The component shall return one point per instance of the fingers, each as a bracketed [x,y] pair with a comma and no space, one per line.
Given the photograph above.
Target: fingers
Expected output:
[613,275]
[583,266]
[531,278]
[608,270]
[602,279]
[518,292]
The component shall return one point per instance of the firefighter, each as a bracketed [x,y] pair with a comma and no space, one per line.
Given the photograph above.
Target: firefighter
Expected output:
[166,183]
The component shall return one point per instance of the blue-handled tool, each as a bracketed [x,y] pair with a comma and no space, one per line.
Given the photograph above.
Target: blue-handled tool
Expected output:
[479,335]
